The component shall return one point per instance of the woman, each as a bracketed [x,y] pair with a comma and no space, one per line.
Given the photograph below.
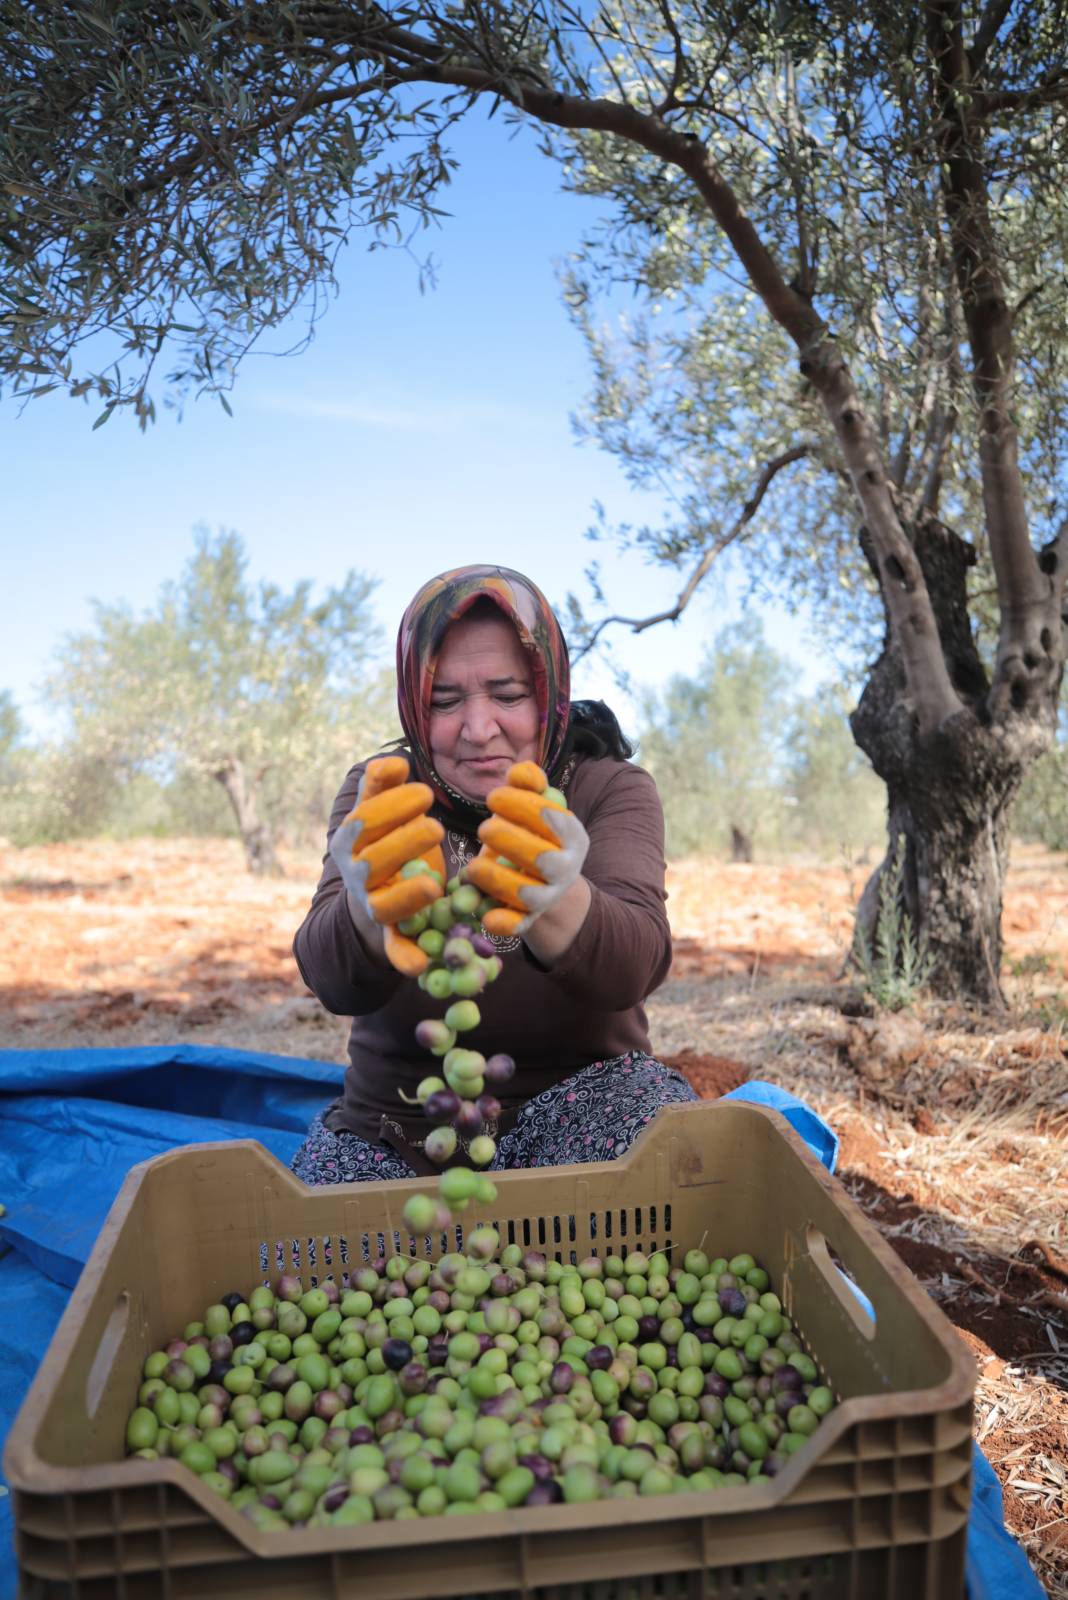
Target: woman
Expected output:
[483,683]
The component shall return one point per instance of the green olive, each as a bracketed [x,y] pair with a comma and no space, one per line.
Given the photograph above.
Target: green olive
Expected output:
[142,1430]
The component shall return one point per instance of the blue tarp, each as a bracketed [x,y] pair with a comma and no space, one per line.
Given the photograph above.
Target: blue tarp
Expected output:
[75,1121]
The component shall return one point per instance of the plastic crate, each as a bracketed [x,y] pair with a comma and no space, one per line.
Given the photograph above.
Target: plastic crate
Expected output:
[875,1507]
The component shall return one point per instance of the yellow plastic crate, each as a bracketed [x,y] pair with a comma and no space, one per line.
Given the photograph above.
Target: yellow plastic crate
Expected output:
[875,1507]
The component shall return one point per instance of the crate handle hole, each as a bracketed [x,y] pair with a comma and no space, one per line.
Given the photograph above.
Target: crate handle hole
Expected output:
[851,1296]
[107,1350]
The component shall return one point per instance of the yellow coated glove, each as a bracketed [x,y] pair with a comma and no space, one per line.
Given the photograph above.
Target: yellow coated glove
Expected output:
[544,846]
[387,828]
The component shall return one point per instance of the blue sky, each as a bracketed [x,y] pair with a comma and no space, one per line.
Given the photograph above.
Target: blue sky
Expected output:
[417,432]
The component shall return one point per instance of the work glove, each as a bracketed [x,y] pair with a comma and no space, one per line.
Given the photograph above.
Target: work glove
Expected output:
[387,828]
[544,846]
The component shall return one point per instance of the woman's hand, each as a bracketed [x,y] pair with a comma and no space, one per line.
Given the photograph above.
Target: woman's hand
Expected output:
[545,847]
[387,828]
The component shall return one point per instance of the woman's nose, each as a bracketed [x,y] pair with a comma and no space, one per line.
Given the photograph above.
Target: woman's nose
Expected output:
[480,720]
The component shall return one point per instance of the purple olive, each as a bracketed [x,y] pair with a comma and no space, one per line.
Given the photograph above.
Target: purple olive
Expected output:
[218,1370]
[501,1285]
[534,1263]
[485,1342]
[396,1353]
[561,1378]
[774,1463]
[327,1405]
[289,1288]
[481,945]
[489,1106]
[468,1119]
[716,1385]
[785,1378]
[242,1333]
[498,1069]
[437,1355]
[732,1302]
[649,1327]
[539,1466]
[176,1348]
[335,1496]
[546,1493]
[442,1106]
[599,1358]
[622,1429]
[413,1377]
[281,1377]
[362,1435]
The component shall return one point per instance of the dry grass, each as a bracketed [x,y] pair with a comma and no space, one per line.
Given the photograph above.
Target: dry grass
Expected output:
[954,1124]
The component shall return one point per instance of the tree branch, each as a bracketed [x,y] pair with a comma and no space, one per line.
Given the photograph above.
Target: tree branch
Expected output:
[986,32]
[1053,90]
[639,624]
[1022,591]
[678,69]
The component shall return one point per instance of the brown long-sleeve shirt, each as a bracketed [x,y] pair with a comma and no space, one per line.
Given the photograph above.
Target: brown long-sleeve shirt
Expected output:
[554,1021]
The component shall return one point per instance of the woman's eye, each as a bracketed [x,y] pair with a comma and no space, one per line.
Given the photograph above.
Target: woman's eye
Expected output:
[443,705]
[511,699]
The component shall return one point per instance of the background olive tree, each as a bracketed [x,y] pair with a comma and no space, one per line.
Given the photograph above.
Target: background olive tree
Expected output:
[267,694]
[747,767]
[857,211]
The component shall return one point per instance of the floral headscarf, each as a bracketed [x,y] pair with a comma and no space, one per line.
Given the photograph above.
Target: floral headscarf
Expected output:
[435,607]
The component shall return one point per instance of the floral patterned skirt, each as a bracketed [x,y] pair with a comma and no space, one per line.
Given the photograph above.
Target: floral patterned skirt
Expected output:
[594,1116]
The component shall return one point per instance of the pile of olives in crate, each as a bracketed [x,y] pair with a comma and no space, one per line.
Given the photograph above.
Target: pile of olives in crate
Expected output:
[482,1381]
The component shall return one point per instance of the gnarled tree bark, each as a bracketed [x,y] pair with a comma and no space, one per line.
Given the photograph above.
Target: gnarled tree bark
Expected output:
[950,794]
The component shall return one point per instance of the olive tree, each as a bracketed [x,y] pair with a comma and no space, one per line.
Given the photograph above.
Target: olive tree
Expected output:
[713,742]
[254,688]
[880,182]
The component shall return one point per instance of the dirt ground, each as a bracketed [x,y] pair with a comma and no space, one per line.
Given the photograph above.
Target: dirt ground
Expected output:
[954,1125]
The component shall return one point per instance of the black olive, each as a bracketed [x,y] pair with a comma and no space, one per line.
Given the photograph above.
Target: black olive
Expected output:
[242,1333]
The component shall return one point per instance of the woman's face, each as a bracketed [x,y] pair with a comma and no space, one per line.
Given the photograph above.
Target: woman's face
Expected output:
[483,710]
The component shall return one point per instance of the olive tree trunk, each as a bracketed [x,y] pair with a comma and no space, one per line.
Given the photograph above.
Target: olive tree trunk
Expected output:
[949,792]
[256,834]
